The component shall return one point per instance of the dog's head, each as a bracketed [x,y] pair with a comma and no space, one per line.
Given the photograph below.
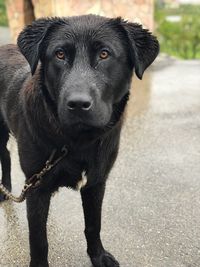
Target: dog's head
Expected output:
[87,63]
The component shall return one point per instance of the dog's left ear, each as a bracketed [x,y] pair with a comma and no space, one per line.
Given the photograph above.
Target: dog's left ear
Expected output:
[144,46]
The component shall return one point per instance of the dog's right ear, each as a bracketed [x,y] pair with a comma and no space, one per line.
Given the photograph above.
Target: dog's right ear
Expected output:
[30,41]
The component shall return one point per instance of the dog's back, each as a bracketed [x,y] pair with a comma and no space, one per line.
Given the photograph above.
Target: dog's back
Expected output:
[11,61]
[13,69]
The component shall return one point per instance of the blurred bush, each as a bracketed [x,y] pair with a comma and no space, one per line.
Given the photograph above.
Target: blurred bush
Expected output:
[180,38]
[3,15]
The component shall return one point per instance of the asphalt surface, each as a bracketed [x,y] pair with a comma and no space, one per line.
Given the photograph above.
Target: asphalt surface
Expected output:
[151,212]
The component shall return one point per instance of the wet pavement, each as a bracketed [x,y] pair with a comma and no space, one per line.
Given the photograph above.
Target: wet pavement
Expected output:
[151,213]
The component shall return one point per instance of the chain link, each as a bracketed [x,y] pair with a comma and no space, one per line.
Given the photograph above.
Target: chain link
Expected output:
[36,179]
[9,195]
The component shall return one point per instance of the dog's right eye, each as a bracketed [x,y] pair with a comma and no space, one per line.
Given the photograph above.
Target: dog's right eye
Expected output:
[60,54]
[104,54]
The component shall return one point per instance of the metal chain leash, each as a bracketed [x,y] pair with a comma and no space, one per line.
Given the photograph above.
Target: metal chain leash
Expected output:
[36,179]
[9,195]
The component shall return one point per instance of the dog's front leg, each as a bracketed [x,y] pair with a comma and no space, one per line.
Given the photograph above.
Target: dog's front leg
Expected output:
[37,213]
[92,199]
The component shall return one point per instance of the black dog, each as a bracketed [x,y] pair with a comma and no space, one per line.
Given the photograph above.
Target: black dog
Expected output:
[75,97]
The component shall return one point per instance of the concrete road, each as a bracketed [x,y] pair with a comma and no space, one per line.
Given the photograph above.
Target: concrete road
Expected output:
[151,214]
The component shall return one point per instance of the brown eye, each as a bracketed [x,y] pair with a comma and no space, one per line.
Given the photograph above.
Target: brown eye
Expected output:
[60,54]
[104,54]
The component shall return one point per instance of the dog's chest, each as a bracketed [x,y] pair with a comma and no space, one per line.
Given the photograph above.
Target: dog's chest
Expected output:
[75,170]
[70,173]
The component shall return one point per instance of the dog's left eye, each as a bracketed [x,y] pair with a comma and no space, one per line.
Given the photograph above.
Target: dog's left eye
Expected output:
[60,54]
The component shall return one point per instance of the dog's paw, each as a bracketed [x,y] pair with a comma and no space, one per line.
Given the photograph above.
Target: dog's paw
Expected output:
[105,260]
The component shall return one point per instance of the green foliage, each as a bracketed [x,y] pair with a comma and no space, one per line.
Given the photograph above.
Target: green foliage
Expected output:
[180,39]
[3,15]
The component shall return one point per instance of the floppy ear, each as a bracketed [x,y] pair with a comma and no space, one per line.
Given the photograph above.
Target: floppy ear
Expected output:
[30,41]
[144,46]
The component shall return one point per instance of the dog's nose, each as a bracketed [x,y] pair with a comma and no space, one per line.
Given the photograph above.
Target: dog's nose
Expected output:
[79,103]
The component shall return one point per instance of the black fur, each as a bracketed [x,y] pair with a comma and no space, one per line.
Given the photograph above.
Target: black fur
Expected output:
[77,101]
